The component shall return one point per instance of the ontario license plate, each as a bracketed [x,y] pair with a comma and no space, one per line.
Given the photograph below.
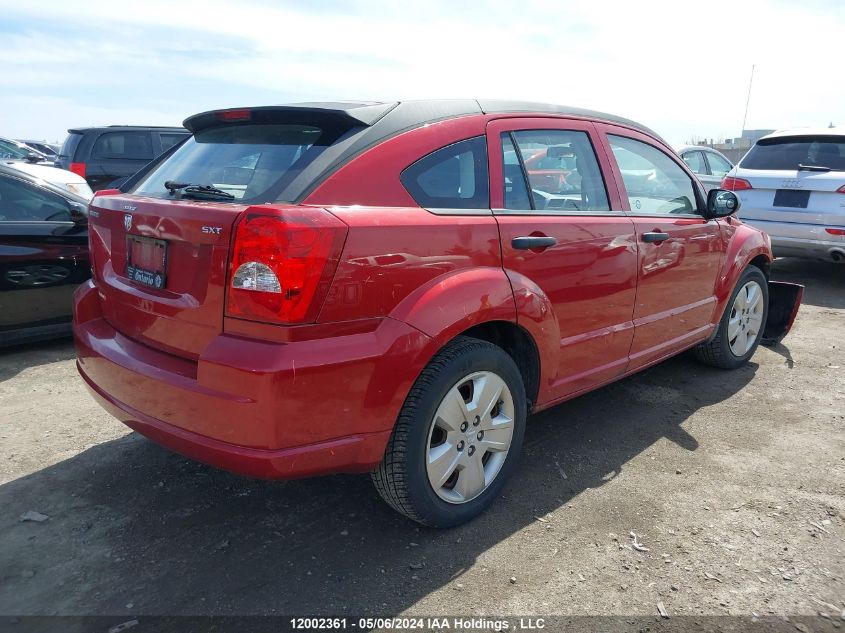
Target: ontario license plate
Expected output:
[146,261]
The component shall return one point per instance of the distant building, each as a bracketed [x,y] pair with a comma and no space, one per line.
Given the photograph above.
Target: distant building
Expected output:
[735,148]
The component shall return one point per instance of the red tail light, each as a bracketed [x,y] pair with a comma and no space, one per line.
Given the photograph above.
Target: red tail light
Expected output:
[735,184]
[841,189]
[282,263]
[78,169]
[836,231]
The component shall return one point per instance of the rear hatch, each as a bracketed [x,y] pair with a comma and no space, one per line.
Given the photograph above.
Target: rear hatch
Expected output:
[160,248]
[160,267]
[794,179]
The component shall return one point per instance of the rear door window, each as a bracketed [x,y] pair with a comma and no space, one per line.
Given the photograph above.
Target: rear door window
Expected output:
[790,152]
[453,177]
[561,169]
[655,183]
[123,145]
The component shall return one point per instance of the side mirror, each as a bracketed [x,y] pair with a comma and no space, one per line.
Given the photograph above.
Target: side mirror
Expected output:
[33,158]
[78,213]
[721,203]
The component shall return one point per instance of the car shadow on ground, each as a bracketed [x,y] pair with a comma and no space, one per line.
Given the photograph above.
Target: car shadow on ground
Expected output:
[823,281]
[15,359]
[131,523]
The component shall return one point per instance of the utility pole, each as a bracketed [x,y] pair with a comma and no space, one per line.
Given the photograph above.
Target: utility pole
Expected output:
[747,100]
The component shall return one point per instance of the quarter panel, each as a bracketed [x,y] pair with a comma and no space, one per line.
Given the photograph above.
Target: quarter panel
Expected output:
[392,252]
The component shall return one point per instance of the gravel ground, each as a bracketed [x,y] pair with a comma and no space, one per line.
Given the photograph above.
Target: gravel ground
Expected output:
[733,481]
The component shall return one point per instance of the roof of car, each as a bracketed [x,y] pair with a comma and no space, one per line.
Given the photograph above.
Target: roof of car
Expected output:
[807,131]
[393,116]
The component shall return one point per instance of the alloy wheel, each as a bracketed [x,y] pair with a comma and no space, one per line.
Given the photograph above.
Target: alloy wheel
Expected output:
[746,318]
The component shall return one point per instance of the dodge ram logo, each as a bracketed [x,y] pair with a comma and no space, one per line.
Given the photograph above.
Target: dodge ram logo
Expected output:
[127,221]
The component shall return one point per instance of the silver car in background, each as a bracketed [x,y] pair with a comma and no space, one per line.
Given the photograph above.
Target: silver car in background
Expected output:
[708,164]
[791,185]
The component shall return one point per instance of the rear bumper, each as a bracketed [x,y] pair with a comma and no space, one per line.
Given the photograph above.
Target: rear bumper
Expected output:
[271,410]
[792,239]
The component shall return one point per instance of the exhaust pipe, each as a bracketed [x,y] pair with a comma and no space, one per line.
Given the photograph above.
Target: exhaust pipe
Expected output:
[837,255]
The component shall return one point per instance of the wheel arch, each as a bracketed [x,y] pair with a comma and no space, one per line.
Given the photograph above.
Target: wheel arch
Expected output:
[519,345]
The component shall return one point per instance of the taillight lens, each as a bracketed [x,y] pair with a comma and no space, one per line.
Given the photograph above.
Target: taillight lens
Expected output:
[78,169]
[282,263]
[735,184]
[836,231]
[841,189]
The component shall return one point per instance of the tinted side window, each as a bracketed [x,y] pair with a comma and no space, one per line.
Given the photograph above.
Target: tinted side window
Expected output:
[562,170]
[21,202]
[126,145]
[718,165]
[453,177]
[654,182]
[169,140]
[695,161]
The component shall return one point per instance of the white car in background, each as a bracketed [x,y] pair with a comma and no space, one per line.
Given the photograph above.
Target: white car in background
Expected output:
[55,176]
[708,164]
[791,185]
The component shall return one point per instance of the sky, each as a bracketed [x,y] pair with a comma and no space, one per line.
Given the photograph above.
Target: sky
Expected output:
[681,68]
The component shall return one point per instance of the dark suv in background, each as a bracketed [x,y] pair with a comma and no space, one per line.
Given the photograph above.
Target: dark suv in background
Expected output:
[103,155]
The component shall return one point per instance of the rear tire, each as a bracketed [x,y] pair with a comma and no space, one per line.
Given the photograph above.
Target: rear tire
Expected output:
[742,325]
[445,463]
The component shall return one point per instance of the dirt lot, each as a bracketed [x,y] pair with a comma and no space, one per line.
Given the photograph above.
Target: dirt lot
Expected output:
[735,482]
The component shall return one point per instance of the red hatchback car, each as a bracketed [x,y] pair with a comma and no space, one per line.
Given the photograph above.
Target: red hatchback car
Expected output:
[383,287]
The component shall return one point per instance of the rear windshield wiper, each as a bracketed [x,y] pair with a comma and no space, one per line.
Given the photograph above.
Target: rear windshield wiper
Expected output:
[197,191]
[813,168]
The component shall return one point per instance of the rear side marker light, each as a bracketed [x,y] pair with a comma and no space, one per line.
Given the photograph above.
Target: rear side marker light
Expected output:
[282,263]
[836,231]
[735,184]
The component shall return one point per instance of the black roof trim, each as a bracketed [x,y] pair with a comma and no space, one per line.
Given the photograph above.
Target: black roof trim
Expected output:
[501,106]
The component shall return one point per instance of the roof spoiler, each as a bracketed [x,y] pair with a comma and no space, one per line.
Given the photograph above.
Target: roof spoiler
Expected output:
[343,114]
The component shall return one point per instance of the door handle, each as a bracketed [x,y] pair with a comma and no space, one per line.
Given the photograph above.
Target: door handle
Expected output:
[532,241]
[655,236]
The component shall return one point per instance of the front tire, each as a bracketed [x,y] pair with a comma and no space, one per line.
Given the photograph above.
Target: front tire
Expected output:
[457,437]
[742,324]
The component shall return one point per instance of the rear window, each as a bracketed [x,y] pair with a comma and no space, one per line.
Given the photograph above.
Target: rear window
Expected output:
[70,144]
[252,161]
[124,145]
[788,152]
